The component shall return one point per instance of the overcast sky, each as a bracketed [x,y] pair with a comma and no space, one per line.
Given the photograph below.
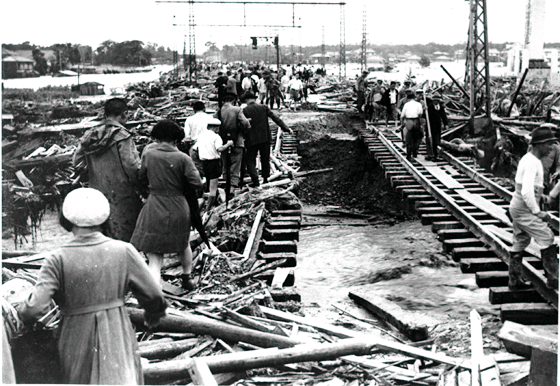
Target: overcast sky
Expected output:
[388,22]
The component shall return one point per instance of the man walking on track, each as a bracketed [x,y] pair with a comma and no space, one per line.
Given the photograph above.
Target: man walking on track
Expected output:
[231,129]
[410,121]
[527,217]
[259,137]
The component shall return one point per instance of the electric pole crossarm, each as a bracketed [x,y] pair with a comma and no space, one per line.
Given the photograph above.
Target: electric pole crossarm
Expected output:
[248,2]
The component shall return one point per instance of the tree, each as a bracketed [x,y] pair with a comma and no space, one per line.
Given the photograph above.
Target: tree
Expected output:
[424,61]
[41,65]
[73,53]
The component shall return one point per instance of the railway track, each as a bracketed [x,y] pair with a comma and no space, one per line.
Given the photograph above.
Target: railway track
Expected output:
[468,212]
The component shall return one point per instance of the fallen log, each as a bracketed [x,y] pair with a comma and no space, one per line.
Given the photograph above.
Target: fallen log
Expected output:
[414,325]
[175,369]
[167,349]
[201,325]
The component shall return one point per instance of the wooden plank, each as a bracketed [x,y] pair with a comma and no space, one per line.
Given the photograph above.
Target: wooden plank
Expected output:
[200,373]
[451,170]
[379,365]
[280,276]
[477,351]
[491,375]
[520,339]
[529,313]
[544,368]
[448,181]
[414,325]
[505,235]
[253,234]
[485,205]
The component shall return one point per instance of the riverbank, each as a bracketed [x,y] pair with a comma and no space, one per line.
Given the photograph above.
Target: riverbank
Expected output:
[113,83]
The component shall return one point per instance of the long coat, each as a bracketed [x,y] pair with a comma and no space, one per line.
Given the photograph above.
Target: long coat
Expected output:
[113,164]
[164,223]
[89,279]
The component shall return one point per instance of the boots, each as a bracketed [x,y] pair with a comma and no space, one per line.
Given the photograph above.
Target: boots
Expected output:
[549,257]
[187,282]
[515,281]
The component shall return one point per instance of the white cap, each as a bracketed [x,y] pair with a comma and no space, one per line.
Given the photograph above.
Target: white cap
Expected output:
[86,207]
[214,121]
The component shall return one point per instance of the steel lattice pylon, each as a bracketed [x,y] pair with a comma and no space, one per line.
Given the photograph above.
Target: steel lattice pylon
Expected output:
[477,72]
[342,55]
[364,42]
[192,46]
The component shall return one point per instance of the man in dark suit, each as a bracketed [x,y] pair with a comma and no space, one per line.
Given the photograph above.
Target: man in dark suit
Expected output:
[259,138]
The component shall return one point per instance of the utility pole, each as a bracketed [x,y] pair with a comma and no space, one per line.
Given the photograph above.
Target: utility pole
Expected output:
[477,70]
[192,46]
[342,55]
[277,44]
[364,42]
[323,50]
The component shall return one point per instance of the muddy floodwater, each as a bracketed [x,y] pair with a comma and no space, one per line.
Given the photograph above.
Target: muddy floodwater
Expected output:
[402,263]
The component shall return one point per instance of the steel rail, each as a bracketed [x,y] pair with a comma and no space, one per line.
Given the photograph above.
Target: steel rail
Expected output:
[489,184]
[495,188]
[473,225]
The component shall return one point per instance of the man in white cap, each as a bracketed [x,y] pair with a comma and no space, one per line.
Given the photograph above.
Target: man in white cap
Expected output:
[112,162]
[527,217]
[90,278]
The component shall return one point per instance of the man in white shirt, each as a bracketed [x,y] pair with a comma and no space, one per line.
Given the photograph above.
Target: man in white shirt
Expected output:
[295,86]
[527,217]
[194,125]
[284,83]
[410,121]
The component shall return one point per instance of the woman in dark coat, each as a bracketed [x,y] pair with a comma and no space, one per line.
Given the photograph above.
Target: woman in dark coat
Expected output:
[164,224]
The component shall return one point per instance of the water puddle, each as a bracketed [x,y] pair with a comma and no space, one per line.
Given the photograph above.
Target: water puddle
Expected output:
[402,263]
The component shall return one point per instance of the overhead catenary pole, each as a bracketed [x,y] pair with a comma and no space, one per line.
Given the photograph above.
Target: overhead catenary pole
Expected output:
[342,61]
[364,42]
[342,54]
[477,69]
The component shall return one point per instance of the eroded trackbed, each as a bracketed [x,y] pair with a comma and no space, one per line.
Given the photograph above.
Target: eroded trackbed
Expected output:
[468,212]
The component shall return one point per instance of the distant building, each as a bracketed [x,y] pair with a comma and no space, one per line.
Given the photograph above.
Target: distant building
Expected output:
[16,66]
[89,88]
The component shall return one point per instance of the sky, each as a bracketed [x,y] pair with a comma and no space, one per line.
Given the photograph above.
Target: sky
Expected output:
[89,22]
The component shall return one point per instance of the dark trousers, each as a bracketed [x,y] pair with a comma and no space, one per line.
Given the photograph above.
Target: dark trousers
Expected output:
[264,150]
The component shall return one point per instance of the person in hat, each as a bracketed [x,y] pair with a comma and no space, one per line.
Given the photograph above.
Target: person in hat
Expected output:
[389,100]
[194,126]
[259,138]
[437,118]
[164,224]
[110,156]
[410,121]
[208,148]
[234,126]
[89,278]
[361,90]
[527,217]
[551,161]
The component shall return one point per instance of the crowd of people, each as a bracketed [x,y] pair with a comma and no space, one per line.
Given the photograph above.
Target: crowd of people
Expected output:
[285,88]
[139,204]
[417,113]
